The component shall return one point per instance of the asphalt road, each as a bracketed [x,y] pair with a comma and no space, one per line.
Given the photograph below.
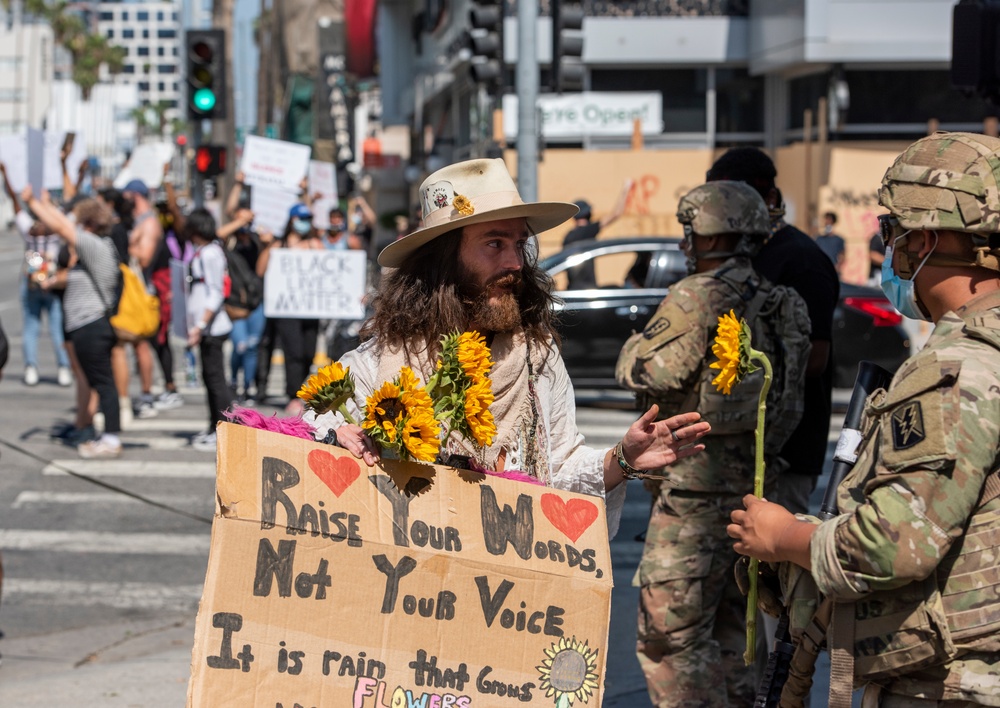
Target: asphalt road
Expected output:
[101,589]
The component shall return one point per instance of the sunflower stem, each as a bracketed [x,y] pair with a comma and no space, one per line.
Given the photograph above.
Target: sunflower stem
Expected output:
[342,409]
[758,491]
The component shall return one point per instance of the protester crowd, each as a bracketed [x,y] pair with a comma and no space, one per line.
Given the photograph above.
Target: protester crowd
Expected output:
[97,267]
[900,574]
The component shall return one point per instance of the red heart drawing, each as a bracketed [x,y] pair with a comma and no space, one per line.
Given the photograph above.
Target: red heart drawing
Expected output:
[572,517]
[336,472]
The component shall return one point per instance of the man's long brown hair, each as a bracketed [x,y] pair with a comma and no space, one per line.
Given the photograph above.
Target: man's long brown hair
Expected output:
[422,300]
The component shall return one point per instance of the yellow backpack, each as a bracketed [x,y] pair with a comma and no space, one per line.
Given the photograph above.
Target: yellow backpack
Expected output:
[138,314]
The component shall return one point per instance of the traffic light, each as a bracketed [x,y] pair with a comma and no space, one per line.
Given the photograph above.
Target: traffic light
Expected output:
[210,160]
[205,52]
[567,47]
[975,39]
[486,40]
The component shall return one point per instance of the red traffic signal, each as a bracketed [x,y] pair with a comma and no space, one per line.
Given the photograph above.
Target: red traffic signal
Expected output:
[210,160]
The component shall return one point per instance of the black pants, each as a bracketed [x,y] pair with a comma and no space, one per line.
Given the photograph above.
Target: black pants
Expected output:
[213,373]
[298,343]
[166,357]
[265,348]
[92,344]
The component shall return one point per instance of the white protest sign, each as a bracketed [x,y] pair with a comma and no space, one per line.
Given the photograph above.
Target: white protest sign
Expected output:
[270,208]
[36,159]
[178,301]
[146,163]
[321,211]
[317,284]
[322,182]
[14,156]
[274,163]
[52,172]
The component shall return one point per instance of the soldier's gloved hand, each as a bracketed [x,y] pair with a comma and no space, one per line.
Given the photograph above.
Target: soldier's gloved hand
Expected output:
[768,587]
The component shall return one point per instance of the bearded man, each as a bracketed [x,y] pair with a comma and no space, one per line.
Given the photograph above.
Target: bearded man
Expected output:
[471,266]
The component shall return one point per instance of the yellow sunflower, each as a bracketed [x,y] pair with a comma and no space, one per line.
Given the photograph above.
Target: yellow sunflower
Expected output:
[383,410]
[478,399]
[732,348]
[328,388]
[569,672]
[474,355]
[420,433]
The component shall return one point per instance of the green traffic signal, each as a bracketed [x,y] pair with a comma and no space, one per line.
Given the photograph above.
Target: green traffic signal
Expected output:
[204,100]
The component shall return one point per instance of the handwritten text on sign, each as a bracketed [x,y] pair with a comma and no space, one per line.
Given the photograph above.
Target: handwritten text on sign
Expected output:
[335,584]
[315,284]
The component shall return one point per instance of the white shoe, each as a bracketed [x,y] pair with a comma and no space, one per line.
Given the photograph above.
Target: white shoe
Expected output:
[99,449]
[168,400]
[145,409]
[206,443]
[30,376]
[65,376]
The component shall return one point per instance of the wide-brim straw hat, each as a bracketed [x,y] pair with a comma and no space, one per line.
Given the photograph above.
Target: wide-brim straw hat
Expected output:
[470,193]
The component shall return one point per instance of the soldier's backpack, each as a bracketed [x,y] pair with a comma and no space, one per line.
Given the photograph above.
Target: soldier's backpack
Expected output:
[779,322]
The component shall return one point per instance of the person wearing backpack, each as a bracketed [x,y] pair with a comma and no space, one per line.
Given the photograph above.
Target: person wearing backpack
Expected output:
[691,631]
[208,324]
[243,245]
[907,572]
[92,290]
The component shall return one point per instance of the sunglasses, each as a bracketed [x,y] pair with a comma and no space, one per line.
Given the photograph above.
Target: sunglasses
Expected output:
[889,229]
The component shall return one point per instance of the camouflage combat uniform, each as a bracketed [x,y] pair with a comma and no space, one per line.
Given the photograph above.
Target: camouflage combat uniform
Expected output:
[691,628]
[920,512]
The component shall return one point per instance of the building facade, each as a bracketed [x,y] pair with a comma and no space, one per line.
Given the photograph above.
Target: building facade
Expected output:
[26,73]
[151,33]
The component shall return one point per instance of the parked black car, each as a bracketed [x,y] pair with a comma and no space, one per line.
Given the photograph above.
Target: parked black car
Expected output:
[611,288]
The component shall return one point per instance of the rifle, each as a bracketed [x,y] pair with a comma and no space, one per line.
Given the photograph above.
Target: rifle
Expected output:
[870,377]
[801,658]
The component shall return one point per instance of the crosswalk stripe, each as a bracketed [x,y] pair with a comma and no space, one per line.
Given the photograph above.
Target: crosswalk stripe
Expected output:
[28,498]
[105,542]
[133,468]
[166,425]
[147,596]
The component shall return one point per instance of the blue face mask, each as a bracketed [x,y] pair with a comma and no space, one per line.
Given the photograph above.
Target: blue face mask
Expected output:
[901,293]
[301,226]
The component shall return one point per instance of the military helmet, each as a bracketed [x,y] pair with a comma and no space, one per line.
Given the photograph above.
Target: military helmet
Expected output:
[724,208]
[946,181]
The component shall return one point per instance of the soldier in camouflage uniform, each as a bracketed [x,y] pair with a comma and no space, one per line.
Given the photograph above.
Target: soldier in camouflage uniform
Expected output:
[912,564]
[691,631]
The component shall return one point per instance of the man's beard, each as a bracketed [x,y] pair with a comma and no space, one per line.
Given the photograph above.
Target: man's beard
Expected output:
[500,315]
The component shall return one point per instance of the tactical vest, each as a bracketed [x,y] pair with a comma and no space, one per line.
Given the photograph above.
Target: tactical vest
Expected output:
[779,323]
[956,609]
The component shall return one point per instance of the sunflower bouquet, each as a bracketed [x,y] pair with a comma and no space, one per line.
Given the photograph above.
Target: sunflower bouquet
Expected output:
[406,417]
[736,359]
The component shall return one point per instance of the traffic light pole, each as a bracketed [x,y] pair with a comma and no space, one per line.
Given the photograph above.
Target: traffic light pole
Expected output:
[197,181]
[527,94]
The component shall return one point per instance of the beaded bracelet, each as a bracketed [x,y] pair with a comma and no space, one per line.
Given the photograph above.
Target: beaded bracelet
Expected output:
[628,470]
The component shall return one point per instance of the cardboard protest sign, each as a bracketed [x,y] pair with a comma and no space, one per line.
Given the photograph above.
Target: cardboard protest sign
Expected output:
[146,163]
[270,207]
[178,300]
[274,163]
[335,584]
[315,284]
[36,159]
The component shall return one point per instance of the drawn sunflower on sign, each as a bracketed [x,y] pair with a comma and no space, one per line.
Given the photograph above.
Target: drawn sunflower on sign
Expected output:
[569,672]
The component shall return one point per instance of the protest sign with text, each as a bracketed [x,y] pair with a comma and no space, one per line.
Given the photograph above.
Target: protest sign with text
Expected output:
[317,284]
[323,189]
[270,207]
[331,583]
[274,163]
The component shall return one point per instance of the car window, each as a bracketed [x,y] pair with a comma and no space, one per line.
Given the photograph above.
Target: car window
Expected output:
[622,269]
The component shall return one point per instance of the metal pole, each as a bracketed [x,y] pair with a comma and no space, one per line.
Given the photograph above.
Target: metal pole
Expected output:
[527,95]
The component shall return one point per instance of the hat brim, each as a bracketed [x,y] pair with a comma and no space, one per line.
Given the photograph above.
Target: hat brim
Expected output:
[541,216]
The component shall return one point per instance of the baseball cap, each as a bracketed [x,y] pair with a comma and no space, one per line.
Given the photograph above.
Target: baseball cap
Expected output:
[584,207]
[137,186]
[300,211]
